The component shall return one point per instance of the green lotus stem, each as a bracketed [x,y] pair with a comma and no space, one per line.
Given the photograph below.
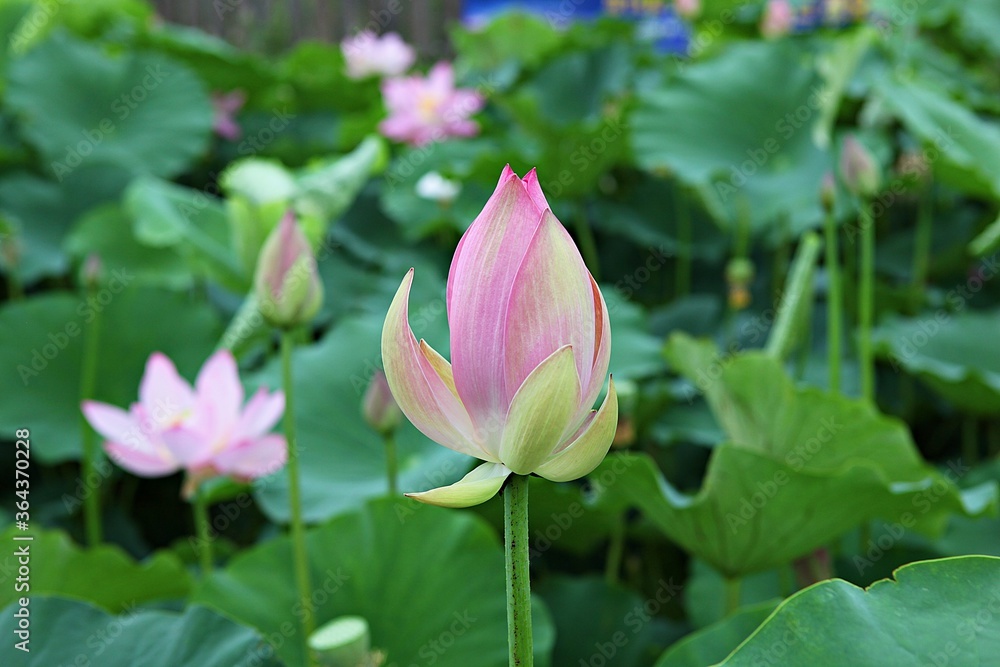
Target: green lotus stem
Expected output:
[88,380]
[922,247]
[201,523]
[797,300]
[588,246]
[301,559]
[684,243]
[866,302]
[970,441]
[515,514]
[616,548]
[781,258]
[733,588]
[391,463]
[834,302]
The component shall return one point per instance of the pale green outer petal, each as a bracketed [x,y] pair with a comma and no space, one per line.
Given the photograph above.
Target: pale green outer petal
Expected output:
[540,412]
[590,447]
[477,487]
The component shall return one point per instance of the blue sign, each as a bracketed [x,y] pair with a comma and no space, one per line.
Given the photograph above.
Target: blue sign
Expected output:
[657,21]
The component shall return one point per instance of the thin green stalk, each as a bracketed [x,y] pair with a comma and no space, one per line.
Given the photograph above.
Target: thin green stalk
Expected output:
[834,302]
[588,246]
[787,329]
[201,522]
[781,259]
[849,282]
[685,242]
[866,303]
[88,380]
[733,586]
[391,463]
[922,247]
[300,555]
[970,441]
[515,513]
[616,548]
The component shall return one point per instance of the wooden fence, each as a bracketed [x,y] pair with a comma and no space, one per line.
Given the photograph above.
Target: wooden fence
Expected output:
[271,26]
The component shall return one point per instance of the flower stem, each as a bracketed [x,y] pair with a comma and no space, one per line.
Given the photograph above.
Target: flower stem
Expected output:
[834,302]
[201,522]
[796,301]
[733,586]
[684,243]
[88,380]
[515,511]
[615,550]
[301,559]
[866,302]
[922,247]
[391,463]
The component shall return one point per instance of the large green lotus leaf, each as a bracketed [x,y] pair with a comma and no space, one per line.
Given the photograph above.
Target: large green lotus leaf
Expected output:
[343,459]
[980,23]
[761,162]
[423,577]
[142,112]
[965,148]
[67,632]
[511,37]
[600,624]
[955,355]
[60,567]
[41,353]
[107,232]
[714,643]
[940,612]
[43,211]
[799,468]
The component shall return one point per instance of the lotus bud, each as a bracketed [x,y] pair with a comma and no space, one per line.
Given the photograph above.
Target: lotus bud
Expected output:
[859,169]
[914,164]
[779,17]
[379,407]
[689,9]
[286,282]
[530,347]
[90,273]
[828,192]
[739,274]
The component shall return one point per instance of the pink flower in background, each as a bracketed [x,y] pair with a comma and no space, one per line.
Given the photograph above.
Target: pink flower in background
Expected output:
[689,9]
[778,18]
[367,54]
[205,430]
[226,106]
[530,347]
[431,108]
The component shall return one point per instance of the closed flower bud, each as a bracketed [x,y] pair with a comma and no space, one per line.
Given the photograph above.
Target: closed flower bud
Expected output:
[828,192]
[859,169]
[286,282]
[379,407]
[90,274]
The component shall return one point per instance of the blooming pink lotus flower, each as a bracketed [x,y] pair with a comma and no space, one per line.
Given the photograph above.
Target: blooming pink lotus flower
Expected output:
[689,9]
[205,430]
[431,108]
[778,18]
[367,54]
[226,105]
[530,344]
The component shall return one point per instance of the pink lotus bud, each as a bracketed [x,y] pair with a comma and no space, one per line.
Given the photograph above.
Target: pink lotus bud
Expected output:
[367,54]
[858,168]
[689,9]
[226,105]
[779,17]
[90,273]
[379,407]
[205,430]
[828,192]
[431,108]
[530,345]
[286,281]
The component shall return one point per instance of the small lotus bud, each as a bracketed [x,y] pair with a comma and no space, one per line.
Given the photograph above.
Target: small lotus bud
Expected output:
[379,407]
[90,273]
[435,187]
[689,9]
[740,271]
[828,192]
[859,169]
[10,251]
[286,281]
[913,164]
